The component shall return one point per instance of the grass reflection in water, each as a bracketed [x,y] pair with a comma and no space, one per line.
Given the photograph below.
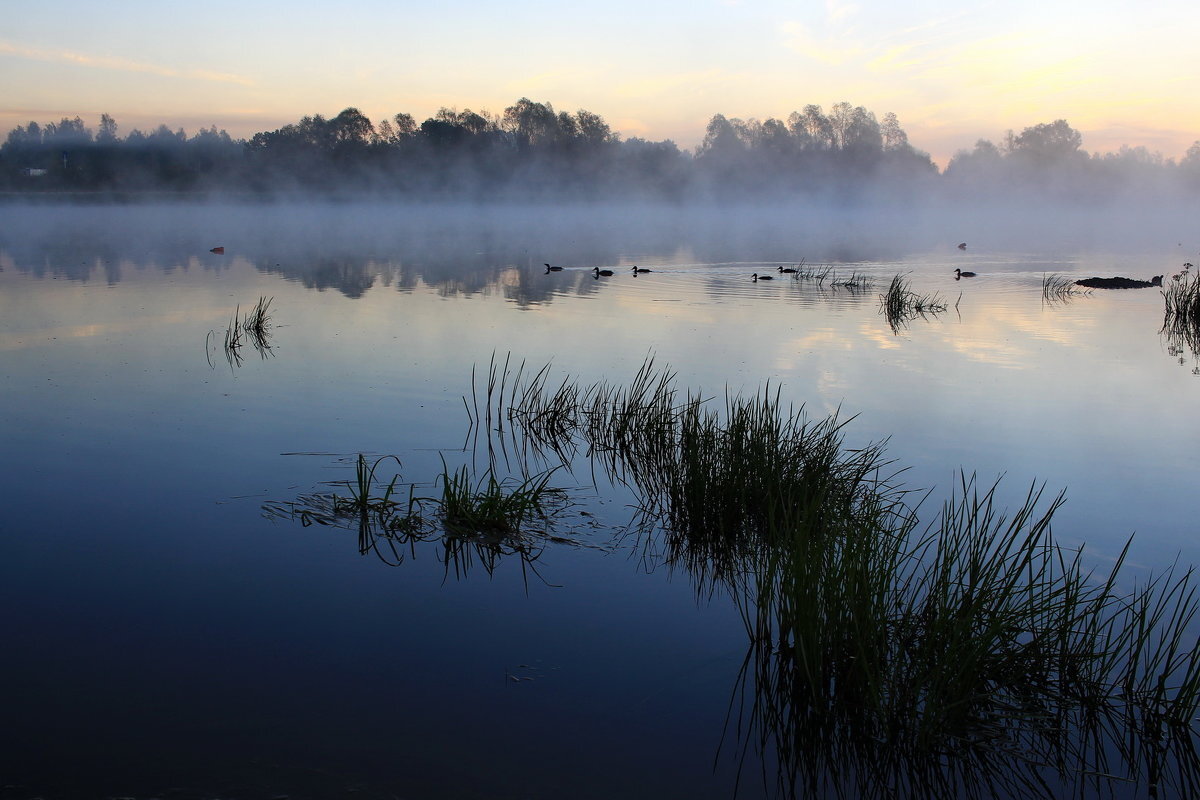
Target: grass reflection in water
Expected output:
[256,327]
[1181,317]
[481,520]
[900,304]
[970,655]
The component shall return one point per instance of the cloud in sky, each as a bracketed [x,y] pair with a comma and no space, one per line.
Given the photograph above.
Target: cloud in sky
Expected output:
[118,64]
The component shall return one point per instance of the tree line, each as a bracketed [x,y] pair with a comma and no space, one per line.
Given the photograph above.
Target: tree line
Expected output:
[530,151]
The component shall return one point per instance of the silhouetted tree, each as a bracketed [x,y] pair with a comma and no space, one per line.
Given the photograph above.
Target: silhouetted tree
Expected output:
[442,135]
[1048,143]
[984,161]
[651,169]
[722,157]
[350,128]
[405,124]
[818,127]
[856,135]
[1190,166]
[894,137]
[108,130]
[775,140]
[531,124]
[532,150]
[594,131]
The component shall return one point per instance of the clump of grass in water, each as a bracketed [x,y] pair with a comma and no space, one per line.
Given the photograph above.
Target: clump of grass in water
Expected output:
[258,320]
[255,326]
[233,340]
[879,648]
[1181,318]
[1059,288]
[977,636]
[1182,303]
[483,520]
[362,498]
[490,507]
[488,520]
[815,273]
[856,282]
[363,503]
[900,304]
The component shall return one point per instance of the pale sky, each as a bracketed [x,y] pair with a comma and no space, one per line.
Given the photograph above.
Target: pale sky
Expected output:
[954,72]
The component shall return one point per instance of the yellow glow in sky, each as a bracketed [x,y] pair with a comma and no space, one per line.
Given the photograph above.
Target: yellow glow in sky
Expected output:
[1119,73]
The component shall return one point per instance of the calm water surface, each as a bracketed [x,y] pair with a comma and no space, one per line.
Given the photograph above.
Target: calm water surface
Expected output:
[162,633]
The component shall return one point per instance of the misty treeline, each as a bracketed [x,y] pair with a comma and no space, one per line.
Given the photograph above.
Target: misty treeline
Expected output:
[530,151]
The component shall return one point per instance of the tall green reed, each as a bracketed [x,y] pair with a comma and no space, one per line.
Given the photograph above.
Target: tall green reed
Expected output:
[972,654]
[877,655]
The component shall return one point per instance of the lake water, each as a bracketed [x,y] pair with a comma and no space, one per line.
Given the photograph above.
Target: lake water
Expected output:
[161,633]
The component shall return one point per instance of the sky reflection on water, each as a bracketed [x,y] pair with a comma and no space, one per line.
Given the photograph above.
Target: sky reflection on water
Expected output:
[152,610]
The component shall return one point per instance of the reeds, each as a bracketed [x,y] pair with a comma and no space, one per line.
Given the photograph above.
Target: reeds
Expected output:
[969,656]
[1060,288]
[813,272]
[875,655]
[899,304]
[1181,318]
[258,319]
[855,282]
[1182,304]
[362,498]
[255,327]
[489,507]
[482,520]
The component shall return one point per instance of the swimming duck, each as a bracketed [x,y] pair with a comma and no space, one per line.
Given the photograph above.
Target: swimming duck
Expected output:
[758,277]
[958,273]
[786,269]
[636,269]
[962,245]
[605,272]
[553,269]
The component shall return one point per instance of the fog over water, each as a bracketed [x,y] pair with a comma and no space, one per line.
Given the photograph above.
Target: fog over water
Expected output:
[596,234]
